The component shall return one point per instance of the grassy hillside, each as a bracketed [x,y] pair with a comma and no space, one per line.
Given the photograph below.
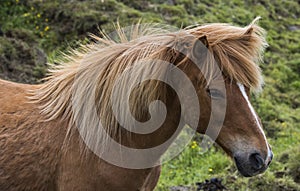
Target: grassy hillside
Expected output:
[31,30]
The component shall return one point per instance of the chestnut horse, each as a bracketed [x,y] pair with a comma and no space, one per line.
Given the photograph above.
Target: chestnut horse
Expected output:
[48,136]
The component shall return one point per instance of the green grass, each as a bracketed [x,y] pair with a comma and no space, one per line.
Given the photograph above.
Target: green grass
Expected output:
[56,25]
[192,166]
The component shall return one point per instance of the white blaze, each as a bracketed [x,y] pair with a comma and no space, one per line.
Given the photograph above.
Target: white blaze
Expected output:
[242,89]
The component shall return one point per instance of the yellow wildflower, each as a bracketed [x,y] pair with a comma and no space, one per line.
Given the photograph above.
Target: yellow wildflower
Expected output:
[194,145]
[46,28]
[26,14]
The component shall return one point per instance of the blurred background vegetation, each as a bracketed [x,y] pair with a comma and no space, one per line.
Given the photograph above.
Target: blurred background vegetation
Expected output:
[34,32]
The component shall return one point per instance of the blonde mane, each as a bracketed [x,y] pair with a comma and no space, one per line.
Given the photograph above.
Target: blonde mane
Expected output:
[97,66]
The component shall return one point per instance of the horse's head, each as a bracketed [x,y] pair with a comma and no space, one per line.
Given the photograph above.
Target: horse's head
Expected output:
[226,98]
[241,135]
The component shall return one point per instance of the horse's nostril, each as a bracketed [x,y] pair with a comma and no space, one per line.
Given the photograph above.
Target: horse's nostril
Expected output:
[256,161]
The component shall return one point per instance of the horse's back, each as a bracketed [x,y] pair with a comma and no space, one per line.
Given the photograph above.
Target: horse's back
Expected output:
[13,96]
[27,154]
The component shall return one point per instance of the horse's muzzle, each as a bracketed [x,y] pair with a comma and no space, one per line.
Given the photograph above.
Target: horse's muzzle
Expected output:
[253,164]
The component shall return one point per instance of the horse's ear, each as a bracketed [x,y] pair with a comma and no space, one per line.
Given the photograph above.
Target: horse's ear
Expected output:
[249,31]
[204,40]
[200,47]
[247,35]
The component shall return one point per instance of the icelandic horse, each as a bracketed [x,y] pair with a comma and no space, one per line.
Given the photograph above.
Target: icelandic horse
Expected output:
[42,146]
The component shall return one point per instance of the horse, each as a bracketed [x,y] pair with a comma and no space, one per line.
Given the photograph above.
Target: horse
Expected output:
[54,135]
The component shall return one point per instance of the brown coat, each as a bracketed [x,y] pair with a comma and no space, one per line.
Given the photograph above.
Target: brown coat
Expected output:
[32,156]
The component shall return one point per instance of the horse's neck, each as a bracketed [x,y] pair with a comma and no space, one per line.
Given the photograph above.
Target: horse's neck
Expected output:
[162,133]
[145,141]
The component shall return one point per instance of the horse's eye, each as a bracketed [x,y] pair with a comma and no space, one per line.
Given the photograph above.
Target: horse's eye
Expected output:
[214,93]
